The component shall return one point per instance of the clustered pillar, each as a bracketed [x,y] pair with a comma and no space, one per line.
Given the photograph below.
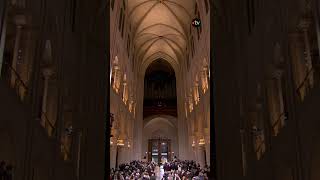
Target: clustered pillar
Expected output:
[197,105]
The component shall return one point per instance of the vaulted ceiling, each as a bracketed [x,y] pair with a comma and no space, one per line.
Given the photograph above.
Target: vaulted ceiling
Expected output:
[160,28]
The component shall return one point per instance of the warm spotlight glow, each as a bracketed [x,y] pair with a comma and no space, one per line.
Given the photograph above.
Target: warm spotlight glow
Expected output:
[202,142]
[120,142]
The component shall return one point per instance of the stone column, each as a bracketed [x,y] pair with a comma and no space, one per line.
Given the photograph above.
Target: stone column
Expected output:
[182,123]
[201,155]
[199,118]
[124,136]
[113,152]
[18,3]
[138,115]
[280,97]
[113,147]
[3,37]
[317,23]
[47,73]
[207,146]
[129,149]
[200,148]
[19,21]
[192,148]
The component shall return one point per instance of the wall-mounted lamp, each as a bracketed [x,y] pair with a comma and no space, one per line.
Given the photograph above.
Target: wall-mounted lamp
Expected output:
[202,142]
[120,142]
[193,143]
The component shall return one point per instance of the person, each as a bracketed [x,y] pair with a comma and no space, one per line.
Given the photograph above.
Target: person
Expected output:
[8,175]
[2,170]
[153,176]
[176,177]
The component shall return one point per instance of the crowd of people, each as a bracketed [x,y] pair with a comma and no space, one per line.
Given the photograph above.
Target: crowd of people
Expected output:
[134,170]
[174,170]
[5,171]
[185,170]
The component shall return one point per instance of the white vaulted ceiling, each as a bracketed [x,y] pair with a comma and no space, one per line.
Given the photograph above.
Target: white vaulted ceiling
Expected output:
[160,28]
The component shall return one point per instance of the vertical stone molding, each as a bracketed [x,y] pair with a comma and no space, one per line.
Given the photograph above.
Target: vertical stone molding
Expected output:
[47,73]
[20,21]
[304,25]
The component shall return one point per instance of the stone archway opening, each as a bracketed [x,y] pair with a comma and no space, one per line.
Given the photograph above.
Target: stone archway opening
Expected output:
[160,112]
[160,138]
[160,96]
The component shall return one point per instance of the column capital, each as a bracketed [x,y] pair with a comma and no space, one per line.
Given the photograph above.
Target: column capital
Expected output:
[294,34]
[115,133]
[116,67]
[123,136]
[47,72]
[199,134]
[20,20]
[207,132]
[277,73]
[207,139]
[304,23]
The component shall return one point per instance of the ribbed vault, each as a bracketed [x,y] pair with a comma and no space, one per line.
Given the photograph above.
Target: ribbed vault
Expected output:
[160,29]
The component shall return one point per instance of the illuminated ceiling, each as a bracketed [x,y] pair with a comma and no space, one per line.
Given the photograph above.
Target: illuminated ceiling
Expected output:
[160,28]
